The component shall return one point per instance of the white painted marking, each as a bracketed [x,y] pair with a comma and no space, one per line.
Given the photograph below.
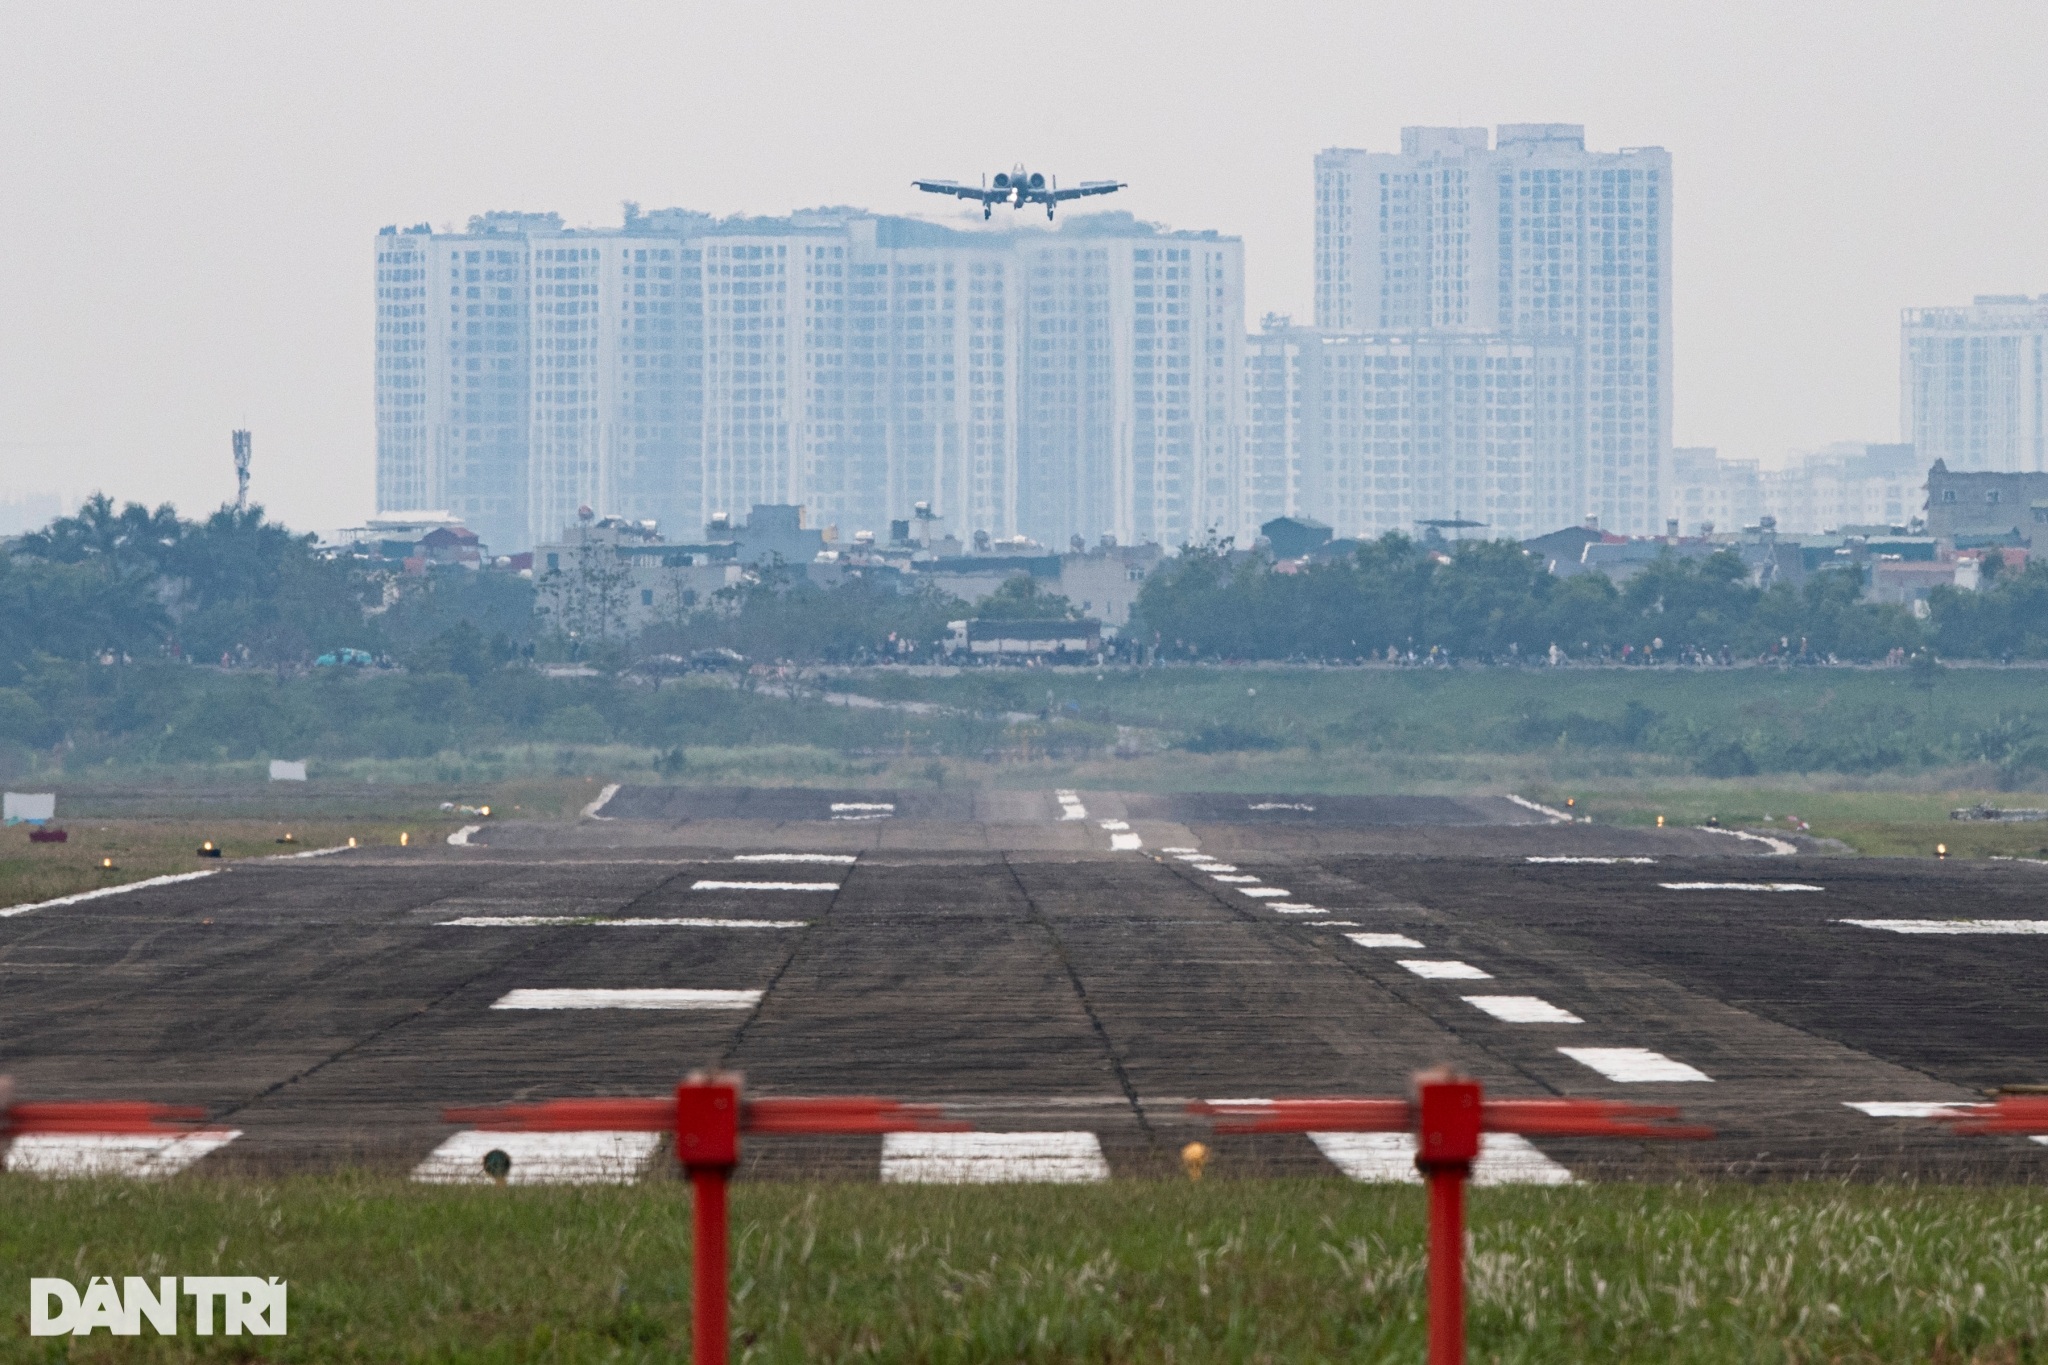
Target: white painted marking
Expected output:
[1779,847]
[1740,886]
[1262,892]
[992,1158]
[1279,805]
[1241,879]
[1070,805]
[1389,1159]
[863,817]
[599,1157]
[138,1156]
[631,999]
[763,886]
[1335,924]
[1125,843]
[460,838]
[1284,908]
[1190,856]
[1522,1009]
[840,859]
[1601,862]
[1953,926]
[1526,804]
[1447,970]
[1177,852]
[590,812]
[1908,1109]
[1633,1065]
[548,921]
[2041,1138]
[853,807]
[1383,940]
[1113,824]
[94,895]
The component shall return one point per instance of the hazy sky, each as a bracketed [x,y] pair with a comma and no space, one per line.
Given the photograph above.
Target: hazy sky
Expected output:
[189,191]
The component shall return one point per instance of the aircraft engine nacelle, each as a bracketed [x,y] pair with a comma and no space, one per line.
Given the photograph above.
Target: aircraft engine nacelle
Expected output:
[1002,180]
[1037,181]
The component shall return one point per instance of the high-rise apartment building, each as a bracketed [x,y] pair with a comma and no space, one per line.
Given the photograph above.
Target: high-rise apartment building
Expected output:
[1078,382]
[1531,239]
[1374,432]
[1971,384]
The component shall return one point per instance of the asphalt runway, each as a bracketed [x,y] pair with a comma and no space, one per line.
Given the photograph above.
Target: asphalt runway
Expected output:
[1048,973]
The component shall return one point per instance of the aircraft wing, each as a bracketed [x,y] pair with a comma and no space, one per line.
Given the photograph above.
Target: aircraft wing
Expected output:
[960,191]
[1086,188]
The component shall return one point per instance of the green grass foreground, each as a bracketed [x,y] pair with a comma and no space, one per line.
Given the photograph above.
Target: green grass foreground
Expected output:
[1265,1270]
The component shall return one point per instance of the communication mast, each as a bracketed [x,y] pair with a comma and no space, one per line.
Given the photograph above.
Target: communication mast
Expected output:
[241,471]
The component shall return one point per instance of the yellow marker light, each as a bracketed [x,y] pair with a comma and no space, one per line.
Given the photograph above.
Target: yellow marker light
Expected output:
[106,862]
[483,810]
[351,841]
[1660,822]
[1192,1158]
[404,839]
[1941,850]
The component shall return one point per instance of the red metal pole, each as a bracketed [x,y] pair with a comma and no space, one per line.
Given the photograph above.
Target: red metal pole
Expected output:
[709,1332]
[1447,1264]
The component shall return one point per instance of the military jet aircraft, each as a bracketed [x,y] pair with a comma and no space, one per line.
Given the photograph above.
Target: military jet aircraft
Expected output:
[1019,187]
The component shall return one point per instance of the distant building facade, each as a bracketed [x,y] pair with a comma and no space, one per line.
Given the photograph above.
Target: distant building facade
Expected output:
[1084,381]
[1531,240]
[1972,508]
[1973,383]
[1850,483]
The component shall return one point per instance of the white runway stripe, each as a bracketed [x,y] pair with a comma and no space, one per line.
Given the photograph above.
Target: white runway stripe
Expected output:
[763,886]
[1953,926]
[1598,862]
[1262,892]
[1070,805]
[1125,843]
[992,1158]
[841,859]
[1180,852]
[460,838]
[1633,1065]
[138,1156]
[604,796]
[1740,886]
[93,895]
[1445,971]
[1383,940]
[1287,908]
[1907,1109]
[1202,865]
[1245,880]
[1113,824]
[592,1158]
[1522,1009]
[547,921]
[632,999]
[1389,1159]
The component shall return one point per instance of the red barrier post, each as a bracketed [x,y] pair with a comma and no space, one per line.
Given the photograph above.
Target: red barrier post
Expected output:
[1447,1143]
[708,1145]
[1447,1116]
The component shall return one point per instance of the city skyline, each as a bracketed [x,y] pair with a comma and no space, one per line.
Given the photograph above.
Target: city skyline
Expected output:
[193,195]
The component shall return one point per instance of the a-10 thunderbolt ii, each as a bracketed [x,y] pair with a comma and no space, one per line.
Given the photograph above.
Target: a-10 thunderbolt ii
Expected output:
[1019,187]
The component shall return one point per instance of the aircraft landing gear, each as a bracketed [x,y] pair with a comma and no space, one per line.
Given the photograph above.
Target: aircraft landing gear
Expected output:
[1048,213]
[986,210]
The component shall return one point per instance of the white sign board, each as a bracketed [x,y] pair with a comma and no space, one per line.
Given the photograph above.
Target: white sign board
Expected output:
[34,807]
[282,770]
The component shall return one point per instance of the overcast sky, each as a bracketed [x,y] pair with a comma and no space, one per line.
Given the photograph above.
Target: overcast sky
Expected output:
[189,191]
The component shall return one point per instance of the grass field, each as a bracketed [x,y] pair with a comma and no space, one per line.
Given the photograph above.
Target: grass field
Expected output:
[1131,1271]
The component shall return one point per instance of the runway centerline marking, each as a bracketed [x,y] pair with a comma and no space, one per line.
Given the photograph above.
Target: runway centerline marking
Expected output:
[763,886]
[1522,1009]
[1740,886]
[1953,926]
[1633,1065]
[1444,970]
[598,1157]
[641,998]
[1383,940]
[549,921]
[992,1158]
[1389,1159]
[840,859]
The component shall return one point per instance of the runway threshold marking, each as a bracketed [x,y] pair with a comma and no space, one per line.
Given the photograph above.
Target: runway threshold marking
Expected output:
[1953,926]
[137,1156]
[1445,970]
[601,1157]
[1389,1159]
[1294,908]
[992,1158]
[1201,866]
[1125,843]
[1522,1009]
[709,885]
[1633,1065]
[1740,886]
[1245,879]
[1070,804]
[1262,892]
[642,998]
[1113,824]
[551,921]
[79,897]
[839,859]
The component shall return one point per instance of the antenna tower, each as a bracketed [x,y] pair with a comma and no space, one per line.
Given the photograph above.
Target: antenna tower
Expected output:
[241,471]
